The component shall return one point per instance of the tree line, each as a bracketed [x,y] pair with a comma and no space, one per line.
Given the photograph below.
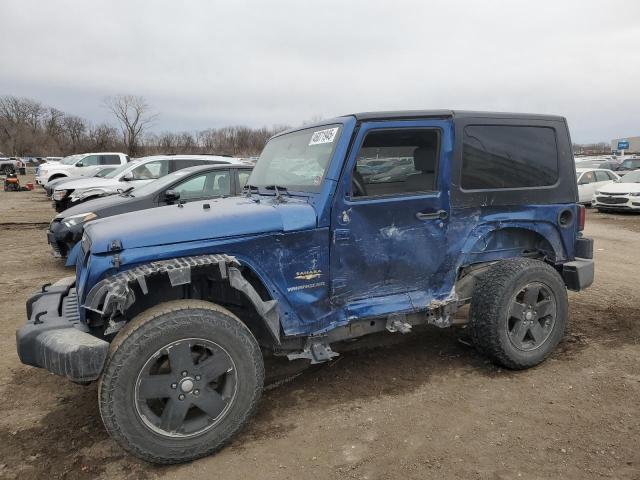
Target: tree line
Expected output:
[30,128]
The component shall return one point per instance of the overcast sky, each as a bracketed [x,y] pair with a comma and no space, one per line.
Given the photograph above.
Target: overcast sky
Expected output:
[205,64]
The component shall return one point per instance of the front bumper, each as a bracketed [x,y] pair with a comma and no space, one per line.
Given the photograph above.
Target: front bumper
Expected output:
[55,339]
[62,204]
[616,202]
[63,238]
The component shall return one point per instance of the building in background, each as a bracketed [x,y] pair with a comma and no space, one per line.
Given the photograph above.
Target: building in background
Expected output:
[634,145]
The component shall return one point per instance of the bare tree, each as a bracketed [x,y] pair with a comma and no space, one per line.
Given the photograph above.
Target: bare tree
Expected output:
[134,116]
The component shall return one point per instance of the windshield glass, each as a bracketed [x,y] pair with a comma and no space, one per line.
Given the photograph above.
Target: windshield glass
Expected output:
[70,160]
[632,177]
[296,160]
[118,171]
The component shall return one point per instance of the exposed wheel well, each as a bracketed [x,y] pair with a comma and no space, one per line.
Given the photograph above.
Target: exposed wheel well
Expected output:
[205,283]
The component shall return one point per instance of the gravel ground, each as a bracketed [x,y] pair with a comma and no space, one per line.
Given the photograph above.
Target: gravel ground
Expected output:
[423,405]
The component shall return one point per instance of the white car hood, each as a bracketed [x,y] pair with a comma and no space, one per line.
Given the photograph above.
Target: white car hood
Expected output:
[618,188]
[93,182]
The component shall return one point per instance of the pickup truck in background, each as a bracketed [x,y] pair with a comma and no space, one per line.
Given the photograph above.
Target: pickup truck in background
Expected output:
[78,165]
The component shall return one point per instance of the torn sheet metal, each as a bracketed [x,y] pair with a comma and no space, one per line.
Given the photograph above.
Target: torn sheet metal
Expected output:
[114,295]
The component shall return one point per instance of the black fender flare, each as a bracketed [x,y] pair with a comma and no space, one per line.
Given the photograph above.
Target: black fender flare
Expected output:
[113,295]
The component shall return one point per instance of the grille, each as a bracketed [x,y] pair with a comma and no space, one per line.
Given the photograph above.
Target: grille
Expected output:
[614,194]
[56,247]
[612,200]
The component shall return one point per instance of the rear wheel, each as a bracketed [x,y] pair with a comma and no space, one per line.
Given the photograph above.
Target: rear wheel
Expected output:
[518,312]
[181,379]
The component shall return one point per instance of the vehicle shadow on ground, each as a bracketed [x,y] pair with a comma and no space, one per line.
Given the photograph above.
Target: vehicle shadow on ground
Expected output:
[70,440]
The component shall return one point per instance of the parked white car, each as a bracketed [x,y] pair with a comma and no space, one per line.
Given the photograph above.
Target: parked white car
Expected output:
[78,165]
[624,194]
[127,177]
[591,179]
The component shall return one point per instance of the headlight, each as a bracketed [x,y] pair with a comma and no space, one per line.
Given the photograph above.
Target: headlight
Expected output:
[94,192]
[635,194]
[78,219]
[59,194]
[597,192]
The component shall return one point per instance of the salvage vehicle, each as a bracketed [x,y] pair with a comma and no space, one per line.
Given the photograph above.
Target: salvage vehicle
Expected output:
[628,165]
[78,165]
[134,174]
[186,185]
[621,195]
[97,171]
[172,309]
[9,165]
[590,180]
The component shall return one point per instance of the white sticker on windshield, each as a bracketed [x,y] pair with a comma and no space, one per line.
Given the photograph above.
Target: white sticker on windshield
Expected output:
[323,136]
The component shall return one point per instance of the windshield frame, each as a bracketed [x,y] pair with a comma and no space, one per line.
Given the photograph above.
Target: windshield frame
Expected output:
[303,189]
[631,174]
[121,170]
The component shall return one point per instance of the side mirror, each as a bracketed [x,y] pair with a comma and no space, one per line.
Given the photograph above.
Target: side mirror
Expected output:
[171,196]
[79,164]
[127,177]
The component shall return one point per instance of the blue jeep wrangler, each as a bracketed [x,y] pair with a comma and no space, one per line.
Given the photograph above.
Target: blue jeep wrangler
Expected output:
[360,224]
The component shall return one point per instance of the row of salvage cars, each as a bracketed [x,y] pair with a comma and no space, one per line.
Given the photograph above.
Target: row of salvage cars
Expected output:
[607,190]
[140,184]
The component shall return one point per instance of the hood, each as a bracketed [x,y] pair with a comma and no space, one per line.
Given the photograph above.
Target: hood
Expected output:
[57,166]
[83,183]
[618,188]
[96,205]
[226,217]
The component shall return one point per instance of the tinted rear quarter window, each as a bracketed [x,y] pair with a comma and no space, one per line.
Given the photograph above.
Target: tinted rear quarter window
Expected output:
[503,157]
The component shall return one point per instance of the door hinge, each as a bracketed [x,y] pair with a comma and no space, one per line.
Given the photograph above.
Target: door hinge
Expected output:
[338,285]
[341,235]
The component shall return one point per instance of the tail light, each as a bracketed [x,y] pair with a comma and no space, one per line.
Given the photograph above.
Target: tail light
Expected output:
[582,216]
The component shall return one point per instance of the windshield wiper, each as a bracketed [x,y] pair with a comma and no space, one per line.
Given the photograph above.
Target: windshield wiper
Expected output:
[250,188]
[277,189]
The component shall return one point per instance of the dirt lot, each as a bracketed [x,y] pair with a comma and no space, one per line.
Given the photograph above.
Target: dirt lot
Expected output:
[424,405]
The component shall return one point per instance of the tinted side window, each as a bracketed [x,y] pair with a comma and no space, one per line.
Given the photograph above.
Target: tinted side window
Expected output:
[211,184]
[587,177]
[180,164]
[496,157]
[396,162]
[90,160]
[109,160]
[151,170]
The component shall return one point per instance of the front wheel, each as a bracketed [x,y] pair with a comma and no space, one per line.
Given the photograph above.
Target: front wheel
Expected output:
[519,311]
[180,380]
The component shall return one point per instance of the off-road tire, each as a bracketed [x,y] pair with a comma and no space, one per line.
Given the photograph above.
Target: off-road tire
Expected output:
[144,335]
[490,304]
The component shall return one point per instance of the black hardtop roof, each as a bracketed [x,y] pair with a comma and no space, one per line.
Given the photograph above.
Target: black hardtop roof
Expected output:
[412,114]
[402,114]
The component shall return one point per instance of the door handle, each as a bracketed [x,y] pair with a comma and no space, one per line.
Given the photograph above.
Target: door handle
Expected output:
[439,215]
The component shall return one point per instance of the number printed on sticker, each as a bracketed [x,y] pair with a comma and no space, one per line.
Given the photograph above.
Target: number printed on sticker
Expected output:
[323,136]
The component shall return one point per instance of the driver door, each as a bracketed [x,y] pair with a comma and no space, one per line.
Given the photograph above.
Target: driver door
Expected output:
[389,218]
